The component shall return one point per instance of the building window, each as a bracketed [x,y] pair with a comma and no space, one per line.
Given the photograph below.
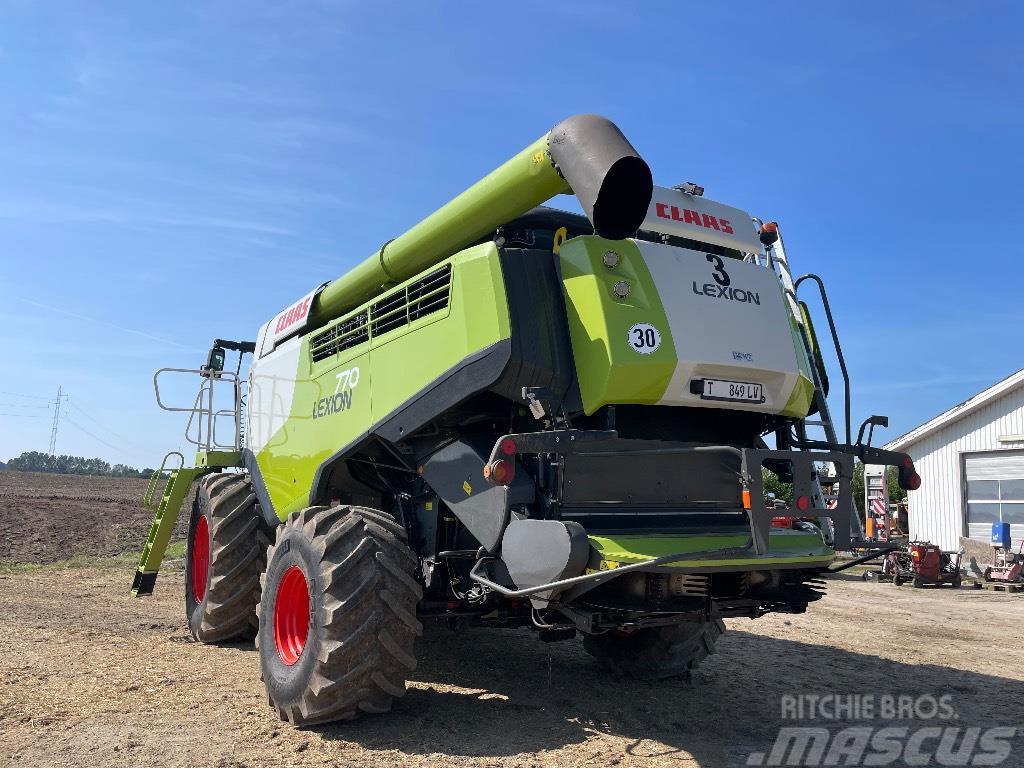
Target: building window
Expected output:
[994,501]
[983,490]
[1012,490]
[982,513]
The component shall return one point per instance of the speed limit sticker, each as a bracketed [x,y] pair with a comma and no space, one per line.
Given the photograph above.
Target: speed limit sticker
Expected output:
[644,338]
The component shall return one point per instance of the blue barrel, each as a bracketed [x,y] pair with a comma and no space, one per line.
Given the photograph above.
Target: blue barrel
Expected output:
[1001,535]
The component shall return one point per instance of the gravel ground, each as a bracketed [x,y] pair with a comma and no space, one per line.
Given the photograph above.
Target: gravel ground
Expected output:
[91,677]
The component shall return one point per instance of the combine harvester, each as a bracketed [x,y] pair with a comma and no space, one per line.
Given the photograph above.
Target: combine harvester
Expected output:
[516,416]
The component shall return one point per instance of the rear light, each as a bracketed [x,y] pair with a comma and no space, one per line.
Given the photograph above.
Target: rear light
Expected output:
[509,447]
[746,498]
[803,503]
[769,233]
[500,472]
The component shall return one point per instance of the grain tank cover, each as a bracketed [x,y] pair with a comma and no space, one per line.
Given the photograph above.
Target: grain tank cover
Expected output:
[676,213]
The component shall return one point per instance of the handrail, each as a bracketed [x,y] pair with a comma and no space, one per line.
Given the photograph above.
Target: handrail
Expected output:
[147,498]
[835,342]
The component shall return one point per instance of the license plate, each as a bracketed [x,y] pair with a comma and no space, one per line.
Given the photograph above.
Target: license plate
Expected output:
[738,391]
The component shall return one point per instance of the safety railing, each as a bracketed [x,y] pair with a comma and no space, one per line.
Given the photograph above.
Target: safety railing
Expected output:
[205,413]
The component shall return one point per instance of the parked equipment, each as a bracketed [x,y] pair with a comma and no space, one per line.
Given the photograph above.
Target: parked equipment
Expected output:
[922,563]
[518,416]
[1008,566]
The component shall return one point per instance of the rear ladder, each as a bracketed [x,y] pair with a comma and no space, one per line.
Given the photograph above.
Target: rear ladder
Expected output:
[776,254]
[177,485]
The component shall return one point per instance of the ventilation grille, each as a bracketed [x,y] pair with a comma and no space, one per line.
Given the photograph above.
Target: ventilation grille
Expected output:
[340,337]
[416,300]
[424,297]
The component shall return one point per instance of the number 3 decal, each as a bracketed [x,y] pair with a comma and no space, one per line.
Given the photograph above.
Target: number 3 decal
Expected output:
[720,275]
[644,338]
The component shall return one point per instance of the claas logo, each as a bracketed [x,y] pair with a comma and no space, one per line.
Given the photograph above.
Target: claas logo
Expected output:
[292,316]
[685,215]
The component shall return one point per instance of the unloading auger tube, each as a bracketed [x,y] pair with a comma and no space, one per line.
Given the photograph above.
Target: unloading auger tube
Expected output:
[584,154]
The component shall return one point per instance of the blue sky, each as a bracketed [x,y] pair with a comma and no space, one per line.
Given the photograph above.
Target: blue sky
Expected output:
[174,172]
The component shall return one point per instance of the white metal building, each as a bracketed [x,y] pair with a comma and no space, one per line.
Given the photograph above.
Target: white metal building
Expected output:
[971,462]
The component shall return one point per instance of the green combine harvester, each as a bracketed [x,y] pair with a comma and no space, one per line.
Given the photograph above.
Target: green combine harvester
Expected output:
[516,416]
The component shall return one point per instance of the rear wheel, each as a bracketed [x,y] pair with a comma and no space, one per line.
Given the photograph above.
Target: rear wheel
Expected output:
[338,615]
[658,652]
[227,544]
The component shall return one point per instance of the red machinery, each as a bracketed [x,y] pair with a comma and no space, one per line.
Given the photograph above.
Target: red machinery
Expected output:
[1009,567]
[922,563]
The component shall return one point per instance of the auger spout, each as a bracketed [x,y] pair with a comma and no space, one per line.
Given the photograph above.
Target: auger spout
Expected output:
[584,154]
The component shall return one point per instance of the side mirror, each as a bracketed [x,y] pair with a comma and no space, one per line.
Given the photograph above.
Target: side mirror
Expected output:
[215,360]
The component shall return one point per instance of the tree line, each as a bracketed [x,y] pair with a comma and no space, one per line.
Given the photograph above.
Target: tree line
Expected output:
[36,461]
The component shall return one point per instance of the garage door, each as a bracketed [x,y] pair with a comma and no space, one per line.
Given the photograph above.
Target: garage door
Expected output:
[995,492]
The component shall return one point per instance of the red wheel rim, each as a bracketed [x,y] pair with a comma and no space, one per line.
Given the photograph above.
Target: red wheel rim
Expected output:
[200,558]
[291,615]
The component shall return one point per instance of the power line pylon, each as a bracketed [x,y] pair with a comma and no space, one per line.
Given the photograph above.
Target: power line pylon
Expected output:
[56,421]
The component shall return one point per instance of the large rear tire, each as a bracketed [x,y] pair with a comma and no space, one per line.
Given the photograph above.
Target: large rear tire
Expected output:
[658,652]
[338,615]
[227,546]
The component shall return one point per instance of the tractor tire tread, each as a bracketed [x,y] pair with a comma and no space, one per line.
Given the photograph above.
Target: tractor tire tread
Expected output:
[656,653]
[366,624]
[238,547]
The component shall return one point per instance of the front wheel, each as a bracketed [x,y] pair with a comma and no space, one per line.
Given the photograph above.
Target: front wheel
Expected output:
[658,652]
[338,615]
[227,545]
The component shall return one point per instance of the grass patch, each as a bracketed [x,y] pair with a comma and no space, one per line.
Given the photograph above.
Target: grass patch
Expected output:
[176,549]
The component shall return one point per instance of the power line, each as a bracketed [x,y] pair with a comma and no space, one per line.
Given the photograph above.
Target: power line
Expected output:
[98,438]
[19,394]
[19,405]
[101,425]
[23,415]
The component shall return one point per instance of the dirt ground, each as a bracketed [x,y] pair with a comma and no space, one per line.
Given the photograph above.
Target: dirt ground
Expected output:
[49,517]
[90,676]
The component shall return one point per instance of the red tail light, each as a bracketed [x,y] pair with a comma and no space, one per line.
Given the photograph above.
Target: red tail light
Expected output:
[802,503]
[500,472]
[509,447]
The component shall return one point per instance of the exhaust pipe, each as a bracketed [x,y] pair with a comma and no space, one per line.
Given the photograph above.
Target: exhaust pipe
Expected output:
[584,154]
